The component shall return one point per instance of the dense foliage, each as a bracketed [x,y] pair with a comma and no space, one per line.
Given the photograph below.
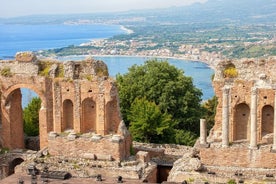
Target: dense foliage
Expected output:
[148,123]
[169,89]
[31,117]
[210,107]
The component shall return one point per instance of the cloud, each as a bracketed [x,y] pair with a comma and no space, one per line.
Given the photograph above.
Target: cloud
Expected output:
[11,8]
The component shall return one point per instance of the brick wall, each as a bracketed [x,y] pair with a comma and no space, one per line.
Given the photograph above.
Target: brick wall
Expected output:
[239,157]
[101,148]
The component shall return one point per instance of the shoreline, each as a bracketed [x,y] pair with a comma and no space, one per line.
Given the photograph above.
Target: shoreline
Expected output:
[128,31]
[142,56]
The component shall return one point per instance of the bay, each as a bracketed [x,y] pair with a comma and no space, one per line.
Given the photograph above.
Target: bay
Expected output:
[18,37]
[15,38]
[200,72]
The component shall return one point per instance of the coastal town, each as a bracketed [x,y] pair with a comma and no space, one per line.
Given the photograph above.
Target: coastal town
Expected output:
[132,48]
[201,45]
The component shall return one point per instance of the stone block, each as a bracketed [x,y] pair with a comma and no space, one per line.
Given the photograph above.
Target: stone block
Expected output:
[143,156]
[52,135]
[72,136]
[96,137]
[104,157]
[89,156]
[25,57]
[116,138]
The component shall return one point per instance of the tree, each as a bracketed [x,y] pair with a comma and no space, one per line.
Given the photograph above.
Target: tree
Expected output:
[167,86]
[148,123]
[210,107]
[31,117]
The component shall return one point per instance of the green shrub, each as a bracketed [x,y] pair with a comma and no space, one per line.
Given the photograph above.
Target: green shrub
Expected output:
[6,72]
[231,181]
[230,72]
[44,68]
[100,71]
[60,70]
[31,117]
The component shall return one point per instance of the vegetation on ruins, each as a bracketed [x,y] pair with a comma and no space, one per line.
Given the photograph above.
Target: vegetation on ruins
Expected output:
[230,72]
[6,72]
[60,70]
[166,86]
[210,107]
[45,67]
[31,117]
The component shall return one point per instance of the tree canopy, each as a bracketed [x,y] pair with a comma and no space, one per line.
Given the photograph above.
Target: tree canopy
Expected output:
[148,123]
[166,86]
[31,117]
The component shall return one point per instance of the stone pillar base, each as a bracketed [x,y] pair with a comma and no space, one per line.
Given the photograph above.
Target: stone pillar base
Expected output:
[253,147]
[225,146]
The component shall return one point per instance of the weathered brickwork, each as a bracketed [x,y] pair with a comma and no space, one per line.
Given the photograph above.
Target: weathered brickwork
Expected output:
[241,145]
[250,74]
[244,124]
[96,147]
[76,96]
[239,157]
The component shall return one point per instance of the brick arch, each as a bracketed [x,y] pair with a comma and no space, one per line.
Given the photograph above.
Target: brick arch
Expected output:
[68,115]
[32,87]
[241,122]
[12,116]
[267,119]
[13,163]
[88,120]
[111,122]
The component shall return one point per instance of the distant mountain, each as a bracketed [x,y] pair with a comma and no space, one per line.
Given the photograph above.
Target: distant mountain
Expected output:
[238,11]
[213,11]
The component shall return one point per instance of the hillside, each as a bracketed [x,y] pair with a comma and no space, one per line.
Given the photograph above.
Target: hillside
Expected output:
[213,30]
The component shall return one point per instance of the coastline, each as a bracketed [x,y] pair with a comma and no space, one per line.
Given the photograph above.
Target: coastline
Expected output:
[128,31]
[143,56]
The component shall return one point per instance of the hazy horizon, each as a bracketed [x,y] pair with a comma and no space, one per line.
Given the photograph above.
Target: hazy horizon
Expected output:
[16,8]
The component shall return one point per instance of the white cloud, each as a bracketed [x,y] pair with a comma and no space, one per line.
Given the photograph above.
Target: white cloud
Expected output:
[11,8]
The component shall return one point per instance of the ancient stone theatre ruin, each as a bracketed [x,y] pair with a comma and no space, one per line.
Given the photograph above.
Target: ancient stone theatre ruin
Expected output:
[79,109]
[243,136]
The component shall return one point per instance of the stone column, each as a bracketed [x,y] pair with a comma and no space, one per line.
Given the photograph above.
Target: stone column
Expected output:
[225,116]
[274,128]
[43,138]
[253,117]
[203,132]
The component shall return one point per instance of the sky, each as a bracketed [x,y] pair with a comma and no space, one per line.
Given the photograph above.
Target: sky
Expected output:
[14,8]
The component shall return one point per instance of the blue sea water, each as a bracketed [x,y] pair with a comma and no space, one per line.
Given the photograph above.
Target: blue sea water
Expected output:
[199,71]
[14,38]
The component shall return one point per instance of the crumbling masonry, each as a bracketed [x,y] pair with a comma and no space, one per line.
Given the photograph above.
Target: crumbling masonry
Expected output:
[243,140]
[79,109]
[242,144]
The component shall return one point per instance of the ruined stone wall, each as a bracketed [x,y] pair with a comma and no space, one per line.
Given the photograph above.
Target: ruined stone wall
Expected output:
[77,97]
[238,157]
[250,74]
[89,146]
[243,132]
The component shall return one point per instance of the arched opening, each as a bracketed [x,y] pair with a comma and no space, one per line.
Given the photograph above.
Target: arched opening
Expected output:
[21,117]
[163,173]
[111,115]
[13,164]
[241,122]
[68,115]
[267,120]
[88,120]
[31,108]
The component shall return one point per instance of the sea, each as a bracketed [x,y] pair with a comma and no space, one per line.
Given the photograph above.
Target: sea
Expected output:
[21,37]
